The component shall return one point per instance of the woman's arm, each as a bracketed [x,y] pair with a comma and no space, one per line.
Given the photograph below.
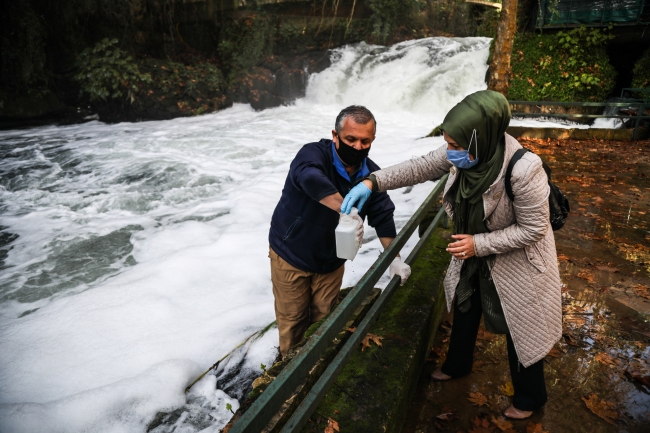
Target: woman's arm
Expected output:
[417,170]
[530,189]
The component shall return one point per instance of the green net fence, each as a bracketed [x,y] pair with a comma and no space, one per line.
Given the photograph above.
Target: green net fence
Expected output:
[554,13]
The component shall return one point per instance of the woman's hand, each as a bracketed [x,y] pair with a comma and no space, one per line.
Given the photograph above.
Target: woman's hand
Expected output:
[463,248]
[360,193]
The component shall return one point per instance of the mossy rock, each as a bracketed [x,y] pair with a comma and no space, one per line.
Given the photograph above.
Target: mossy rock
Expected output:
[374,389]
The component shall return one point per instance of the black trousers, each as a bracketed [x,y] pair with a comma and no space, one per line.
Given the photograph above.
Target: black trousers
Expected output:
[529,385]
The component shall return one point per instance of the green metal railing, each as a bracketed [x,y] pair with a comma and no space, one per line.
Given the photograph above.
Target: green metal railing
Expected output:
[640,105]
[256,418]
[320,388]
[627,91]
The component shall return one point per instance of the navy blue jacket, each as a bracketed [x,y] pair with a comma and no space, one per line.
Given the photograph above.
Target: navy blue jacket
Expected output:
[302,229]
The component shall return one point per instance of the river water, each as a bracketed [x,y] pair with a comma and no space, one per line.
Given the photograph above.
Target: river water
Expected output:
[134,255]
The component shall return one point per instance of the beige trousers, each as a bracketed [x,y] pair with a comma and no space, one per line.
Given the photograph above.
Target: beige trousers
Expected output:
[301,298]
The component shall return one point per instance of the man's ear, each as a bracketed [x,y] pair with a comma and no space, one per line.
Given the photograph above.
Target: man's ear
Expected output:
[335,139]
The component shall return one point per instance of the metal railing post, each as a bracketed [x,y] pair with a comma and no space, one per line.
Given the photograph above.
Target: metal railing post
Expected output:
[639,114]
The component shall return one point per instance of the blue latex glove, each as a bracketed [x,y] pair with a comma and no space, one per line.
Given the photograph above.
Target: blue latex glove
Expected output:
[359,193]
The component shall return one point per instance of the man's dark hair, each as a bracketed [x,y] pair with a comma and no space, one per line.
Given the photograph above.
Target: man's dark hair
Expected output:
[359,114]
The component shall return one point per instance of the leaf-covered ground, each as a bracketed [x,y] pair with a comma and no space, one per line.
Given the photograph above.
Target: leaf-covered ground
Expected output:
[598,375]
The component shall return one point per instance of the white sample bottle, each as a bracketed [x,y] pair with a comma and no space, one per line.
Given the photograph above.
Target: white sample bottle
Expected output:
[346,236]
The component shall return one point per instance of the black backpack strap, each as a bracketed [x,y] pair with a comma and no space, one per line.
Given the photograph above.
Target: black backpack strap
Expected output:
[516,157]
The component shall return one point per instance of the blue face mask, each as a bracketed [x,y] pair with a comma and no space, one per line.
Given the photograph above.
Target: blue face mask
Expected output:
[460,158]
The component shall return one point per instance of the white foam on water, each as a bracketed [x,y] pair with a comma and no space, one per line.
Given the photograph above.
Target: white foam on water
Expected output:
[141,255]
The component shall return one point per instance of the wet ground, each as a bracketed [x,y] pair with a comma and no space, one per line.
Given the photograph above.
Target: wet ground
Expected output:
[598,375]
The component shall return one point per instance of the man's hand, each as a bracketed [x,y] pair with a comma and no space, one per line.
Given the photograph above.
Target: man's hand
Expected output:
[358,219]
[359,193]
[463,248]
[398,267]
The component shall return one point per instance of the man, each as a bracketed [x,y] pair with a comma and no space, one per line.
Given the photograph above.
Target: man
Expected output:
[305,271]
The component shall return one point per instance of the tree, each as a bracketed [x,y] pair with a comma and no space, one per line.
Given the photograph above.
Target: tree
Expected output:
[500,70]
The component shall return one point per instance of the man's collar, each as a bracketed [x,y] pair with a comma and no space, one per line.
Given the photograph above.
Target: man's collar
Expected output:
[340,167]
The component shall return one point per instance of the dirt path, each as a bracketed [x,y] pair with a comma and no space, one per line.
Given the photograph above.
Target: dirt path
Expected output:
[598,375]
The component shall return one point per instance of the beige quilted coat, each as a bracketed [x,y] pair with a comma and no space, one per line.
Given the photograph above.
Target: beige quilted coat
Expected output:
[525,270]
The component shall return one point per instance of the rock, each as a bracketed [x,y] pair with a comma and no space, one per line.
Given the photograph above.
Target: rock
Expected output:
[278,80]
[30,107]
[291,84]
[261,99]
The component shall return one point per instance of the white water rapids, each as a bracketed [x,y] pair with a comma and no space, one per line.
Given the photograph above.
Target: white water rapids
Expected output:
[135,255]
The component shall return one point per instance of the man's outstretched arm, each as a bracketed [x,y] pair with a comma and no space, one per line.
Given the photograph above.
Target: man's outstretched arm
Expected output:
[333,201]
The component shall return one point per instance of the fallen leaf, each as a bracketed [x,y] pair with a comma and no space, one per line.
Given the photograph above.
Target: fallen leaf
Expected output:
[602,408]
[496,402]
[642,291]
[478,366]
[507,389]
[371,337]
[639,372]
[503,424]
[605,358]
[351,329]
[586,275]
[480,426]
[554,353]
[332,426]
[563,258]
[439,351]
[535,428]
[449,416]
[477,398]
[485,335]
[607,269]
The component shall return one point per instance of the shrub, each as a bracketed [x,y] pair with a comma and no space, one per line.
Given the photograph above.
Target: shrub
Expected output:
[641,71]
[107,72]
[567,66]
[176,79]
[244,42]
[289,31]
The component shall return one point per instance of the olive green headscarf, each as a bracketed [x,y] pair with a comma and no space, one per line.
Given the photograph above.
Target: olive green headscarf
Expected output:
[488,113]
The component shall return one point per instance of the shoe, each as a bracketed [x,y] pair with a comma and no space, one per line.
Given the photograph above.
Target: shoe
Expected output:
[514,413]
[439,376]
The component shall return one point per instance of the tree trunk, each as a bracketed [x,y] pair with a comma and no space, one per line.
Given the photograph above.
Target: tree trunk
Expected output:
[499,70]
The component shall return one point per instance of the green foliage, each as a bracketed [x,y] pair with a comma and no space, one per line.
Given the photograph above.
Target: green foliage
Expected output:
[567,66]
[229,407]
[641,71]
[487,23]
[289,31]
[107,72]
[388,15]
[245,41]
[179,79]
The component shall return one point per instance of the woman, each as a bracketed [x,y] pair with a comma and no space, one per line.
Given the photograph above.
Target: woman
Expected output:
[504,262]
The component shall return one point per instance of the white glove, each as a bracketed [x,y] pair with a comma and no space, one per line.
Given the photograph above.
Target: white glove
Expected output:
[398,267]
[359,228]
